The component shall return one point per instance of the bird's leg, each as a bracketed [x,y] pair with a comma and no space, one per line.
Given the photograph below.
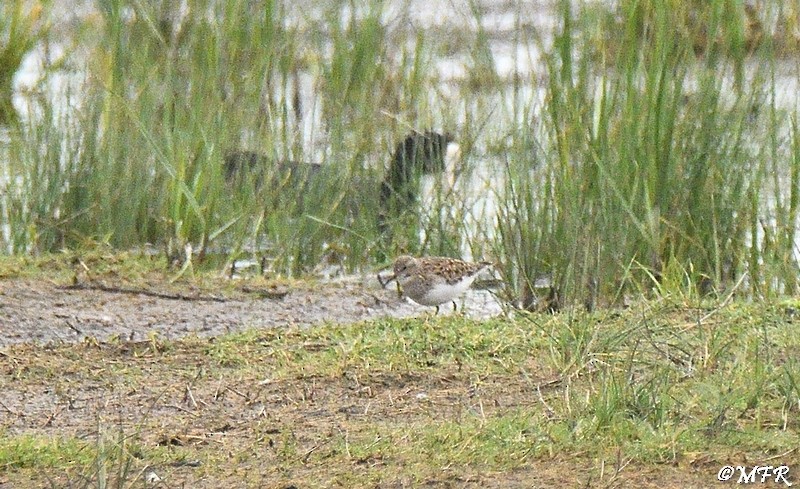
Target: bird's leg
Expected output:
[399,290]
[437,311]
[455,306]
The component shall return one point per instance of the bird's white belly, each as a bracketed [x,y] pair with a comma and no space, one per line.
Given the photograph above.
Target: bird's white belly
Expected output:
[444,292]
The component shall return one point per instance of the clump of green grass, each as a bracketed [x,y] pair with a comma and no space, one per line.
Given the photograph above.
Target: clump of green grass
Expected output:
[171,92]
[20,29]
[110,460]
[31,451]
[640,173]
[649,176]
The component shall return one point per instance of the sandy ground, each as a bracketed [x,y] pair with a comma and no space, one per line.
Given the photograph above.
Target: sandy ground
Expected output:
[42,312]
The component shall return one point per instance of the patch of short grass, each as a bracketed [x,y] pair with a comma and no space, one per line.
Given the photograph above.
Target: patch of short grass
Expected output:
[109,459]
[384,346]
[30,450]
[658,384]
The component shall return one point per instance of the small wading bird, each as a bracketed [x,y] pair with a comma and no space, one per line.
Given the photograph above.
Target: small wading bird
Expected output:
[434,280]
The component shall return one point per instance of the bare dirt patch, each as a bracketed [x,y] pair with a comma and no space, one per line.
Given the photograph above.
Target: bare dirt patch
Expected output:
[33,310]
[39,311]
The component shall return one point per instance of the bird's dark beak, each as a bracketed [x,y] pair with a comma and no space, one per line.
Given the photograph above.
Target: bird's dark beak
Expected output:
[391,278]
[385,282]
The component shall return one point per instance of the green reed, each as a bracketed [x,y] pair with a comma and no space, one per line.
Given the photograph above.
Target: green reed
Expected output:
[653,172]
[170,93]
[653,162]
[21,27]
